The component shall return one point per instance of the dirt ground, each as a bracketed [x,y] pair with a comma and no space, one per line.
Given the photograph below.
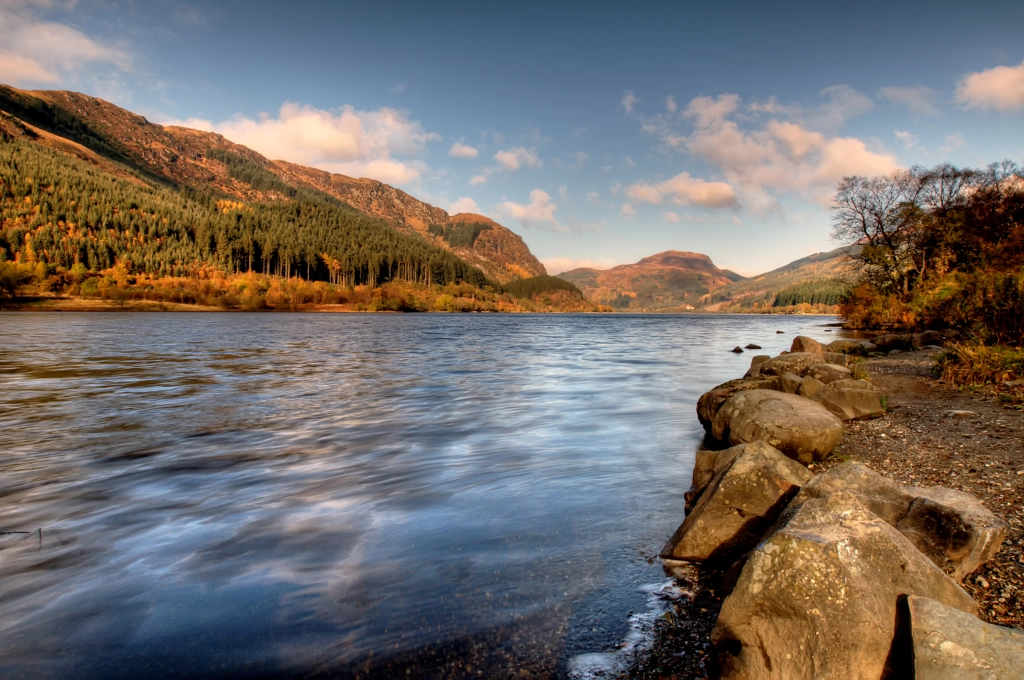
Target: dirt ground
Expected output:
[932,435]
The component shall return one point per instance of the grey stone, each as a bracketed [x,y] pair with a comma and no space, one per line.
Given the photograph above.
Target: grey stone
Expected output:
[949,644]
[798,427]
[850,399]
[836,358]
[818,597]
[828,373]
[891,341]
[706,465]
[712,400]
[739,505]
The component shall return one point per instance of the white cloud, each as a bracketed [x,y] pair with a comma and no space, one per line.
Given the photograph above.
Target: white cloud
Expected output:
[953,141]
[193,123]
[463,205]
[398,89]
[999,88]
[460,150]
[629,102]
[908,138]
[779,155]
[514,159]
[345,140]
[671,105]
[686,190]
[557,265]
[477,180]
[627,210]
[671,217]
[539,209]
[36,51]
[594,197]
[581,158]
[920,101]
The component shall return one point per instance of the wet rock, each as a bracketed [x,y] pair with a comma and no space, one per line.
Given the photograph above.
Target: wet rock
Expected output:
[737,349]
[809,385]
[790,383]
[828,373]
[802,343]
[753,346]
[712,400]
[739,505]
[790,363]
[800,428]
[779,332]
[850,399]
[949,644]
[952,528]
[818,598]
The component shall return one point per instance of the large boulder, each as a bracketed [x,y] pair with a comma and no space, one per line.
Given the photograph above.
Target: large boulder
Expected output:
[952,528]
[800,428]
[850,399]
[850,346]
[926,339]
[802,343]
[818,598]
[712,400]
[708,463]
[790,383]
[828,373]
[809,385]
[790,363]
[836,358]
[891,341]
[755,365]
[949,644]
[738,506]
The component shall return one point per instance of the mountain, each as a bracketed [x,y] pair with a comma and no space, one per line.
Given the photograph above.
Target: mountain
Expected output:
[818,280]
[666,282]
[130,147]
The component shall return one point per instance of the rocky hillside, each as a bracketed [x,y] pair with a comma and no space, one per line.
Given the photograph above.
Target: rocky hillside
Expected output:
[817,279]
[127,144]
[666,282]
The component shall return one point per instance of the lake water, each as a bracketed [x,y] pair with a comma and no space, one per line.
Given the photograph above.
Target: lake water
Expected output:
[306,495]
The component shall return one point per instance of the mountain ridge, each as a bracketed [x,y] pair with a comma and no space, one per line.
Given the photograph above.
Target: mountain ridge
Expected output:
[106,135]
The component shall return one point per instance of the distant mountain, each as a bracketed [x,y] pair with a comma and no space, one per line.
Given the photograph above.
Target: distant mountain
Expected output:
[129,146]
[818,280]
[667,282]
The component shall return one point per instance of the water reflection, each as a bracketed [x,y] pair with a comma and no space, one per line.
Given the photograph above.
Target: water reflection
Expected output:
[273,495]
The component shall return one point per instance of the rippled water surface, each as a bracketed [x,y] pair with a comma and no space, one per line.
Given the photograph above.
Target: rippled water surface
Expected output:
[272,495]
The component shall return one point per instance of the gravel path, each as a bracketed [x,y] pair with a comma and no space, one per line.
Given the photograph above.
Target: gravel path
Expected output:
[933,435]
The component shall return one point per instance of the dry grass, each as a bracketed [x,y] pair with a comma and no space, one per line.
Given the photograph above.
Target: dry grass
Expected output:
[971,364]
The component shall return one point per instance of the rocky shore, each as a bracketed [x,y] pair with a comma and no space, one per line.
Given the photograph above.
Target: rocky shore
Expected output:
[897,543]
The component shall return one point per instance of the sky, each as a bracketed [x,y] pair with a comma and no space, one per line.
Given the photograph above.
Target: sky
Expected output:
[600,132]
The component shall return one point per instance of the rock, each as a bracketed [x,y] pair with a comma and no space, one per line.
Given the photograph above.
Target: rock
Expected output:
[790,363]
[891,341]
[850,399]
[869,347]
[961,414]
[737,349]
[949,644]
[706,465]
[739,505]
[802,343]
[836,358]
[755,365]
[921,340]
[809,385]
[753,346]
[790,383]
[712,400]
[800,428]
[952,528]
[894,352]
[828,373]
[779,332]
[818,598]
[846,347]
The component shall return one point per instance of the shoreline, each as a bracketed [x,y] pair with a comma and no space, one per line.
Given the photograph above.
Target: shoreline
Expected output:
[932,434]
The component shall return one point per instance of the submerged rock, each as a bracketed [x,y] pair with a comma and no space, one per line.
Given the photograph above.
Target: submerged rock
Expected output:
[739,505]
[949,644]
[818,598]
[800,428]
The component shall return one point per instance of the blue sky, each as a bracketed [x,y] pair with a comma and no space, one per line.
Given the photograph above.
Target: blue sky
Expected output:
[600,132]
